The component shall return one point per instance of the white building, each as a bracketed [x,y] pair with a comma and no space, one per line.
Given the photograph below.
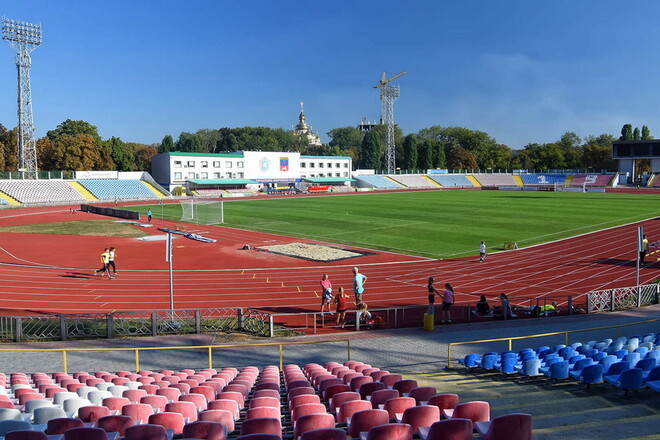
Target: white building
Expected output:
[254,169]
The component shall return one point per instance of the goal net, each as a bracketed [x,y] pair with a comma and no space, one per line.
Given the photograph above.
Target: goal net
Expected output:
[202,212]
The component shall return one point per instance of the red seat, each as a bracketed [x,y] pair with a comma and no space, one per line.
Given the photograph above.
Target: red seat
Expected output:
[156,402]
[453,429]
[206,391]
[363,421]
[424,415]
[85,434]
[149,388]
[476,411]
[311,422]
[205,430]
[116,423]
[390,379]
[145,432]
[347,409]
[265,401]
[324,434]
[233,395]
[183,387]
[368,371]
[168,420]
[134,395]
[218,415]
[381,396]
[303,399]
[347,378]
[340,398]
[398,405]
[357,382]
[306,409]
[390,431]
[297,384]
[369,388]
[327,383]
[172,394]
[137,411]
[199,400]
[405,385]
[510,426]
[115,403]
[263,412]
[31,396]
[60,425]
[187,409]
[335,389]
[26,435]
[266,393]
[444,401]
[361,367]
[227,405]
[267,386]
[92,413]
[422,394]
[261,426]
[237,388]
[259,436]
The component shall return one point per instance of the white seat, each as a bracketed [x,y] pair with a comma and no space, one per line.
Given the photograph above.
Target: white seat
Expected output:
[117,390]
[61,396]
[71,406]
[96,397]
[10,414]
[42,415]
[84,391]
[103,386]
[132,385]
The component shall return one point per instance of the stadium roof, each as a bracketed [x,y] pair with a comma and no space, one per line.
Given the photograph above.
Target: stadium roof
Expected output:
[223,182]
[327,179]
[181,153]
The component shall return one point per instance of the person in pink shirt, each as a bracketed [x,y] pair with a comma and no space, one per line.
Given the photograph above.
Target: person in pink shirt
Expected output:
[326,293]
[447,301]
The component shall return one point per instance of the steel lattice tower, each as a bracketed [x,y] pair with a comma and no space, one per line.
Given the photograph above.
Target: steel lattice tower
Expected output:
[24,38]
[389,94]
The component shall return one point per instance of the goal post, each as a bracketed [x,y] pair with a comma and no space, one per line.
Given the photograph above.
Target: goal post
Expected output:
[202,212]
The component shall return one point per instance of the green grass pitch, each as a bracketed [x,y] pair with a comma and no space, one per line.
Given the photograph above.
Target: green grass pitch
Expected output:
[436,224]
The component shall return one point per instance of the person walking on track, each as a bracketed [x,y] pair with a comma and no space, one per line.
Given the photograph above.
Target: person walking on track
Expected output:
[105,260]
[482,251]
[111,262]
[326,294]
[358,284]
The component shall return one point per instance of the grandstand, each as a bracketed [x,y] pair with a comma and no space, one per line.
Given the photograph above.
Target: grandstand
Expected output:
[452,180]
[40,191]
[543,179]
[111,189]
[593,180]
[495,179]
[376,181]
[413,180]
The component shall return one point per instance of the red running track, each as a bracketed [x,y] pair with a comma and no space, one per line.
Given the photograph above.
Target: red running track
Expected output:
[53,273]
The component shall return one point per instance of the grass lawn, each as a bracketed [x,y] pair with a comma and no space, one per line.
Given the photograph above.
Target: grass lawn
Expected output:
[108,228]
[437,224]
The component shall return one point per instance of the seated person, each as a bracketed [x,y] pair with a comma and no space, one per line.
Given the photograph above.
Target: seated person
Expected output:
[546,309]
[365,315]
[504,310]
[483,308]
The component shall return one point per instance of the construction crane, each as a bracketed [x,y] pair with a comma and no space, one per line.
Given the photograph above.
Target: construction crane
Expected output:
[388,94]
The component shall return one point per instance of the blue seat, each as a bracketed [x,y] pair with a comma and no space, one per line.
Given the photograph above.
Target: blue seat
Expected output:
[545,369]
[652,375]
[470,361]
[642,351]
[591,374]
[531,368]
[575,345]
[488,362]
[598,356]
[655,385]
[563,351]
[654,354]
[573,359]
[620,353]
[549,357]
[542,349]
[618,368]
[508,365]
[633,358]
[589,353]
[628,380]
[606,362]
[576,371]
[646,365]
[558,370]
[547,352]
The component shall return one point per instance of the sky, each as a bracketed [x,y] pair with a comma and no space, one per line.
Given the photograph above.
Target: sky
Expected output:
[522,71]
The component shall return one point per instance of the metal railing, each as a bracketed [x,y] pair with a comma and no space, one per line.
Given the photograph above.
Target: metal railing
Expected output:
[623,298]
[209,348]
[565,333]
[64,327]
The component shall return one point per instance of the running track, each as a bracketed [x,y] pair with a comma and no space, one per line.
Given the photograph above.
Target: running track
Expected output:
[52,273]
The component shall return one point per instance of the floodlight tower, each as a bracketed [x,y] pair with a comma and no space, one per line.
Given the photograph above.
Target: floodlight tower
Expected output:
[24,38]
[388,94]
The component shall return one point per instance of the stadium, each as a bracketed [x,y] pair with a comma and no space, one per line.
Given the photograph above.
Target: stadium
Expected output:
[254,283]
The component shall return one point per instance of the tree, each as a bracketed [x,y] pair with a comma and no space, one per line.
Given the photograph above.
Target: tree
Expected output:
[476,142]
[8,142]
[425,159]
[626,133]
[498,157]
[121,156]
[143,155]
[598,157]
[74,128]
[166,145]
[410,152]
[77,153]
[636,134]
[646,133]
[570,145]
[461,159]
[371,151]
[439,159]
[189,143]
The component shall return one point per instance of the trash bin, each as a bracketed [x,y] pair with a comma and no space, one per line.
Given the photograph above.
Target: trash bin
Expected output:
[428,321]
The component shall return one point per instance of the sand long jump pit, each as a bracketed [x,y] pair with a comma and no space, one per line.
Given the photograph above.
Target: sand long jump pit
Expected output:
[313,251]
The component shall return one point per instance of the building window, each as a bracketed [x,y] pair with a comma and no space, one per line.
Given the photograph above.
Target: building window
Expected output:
[216,164]
[240,175]
[177,176]
[337,165]
[228,175]
[205,175]
[217,175]
[303,165]
[191,163]
[239,164]
[191,175]
[227,164]
[311,165]
[177,164]
[345,174]
[337,174]
[205,164]
[345,164]
[320,164]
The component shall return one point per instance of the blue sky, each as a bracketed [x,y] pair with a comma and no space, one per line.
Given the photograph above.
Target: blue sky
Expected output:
[522,71]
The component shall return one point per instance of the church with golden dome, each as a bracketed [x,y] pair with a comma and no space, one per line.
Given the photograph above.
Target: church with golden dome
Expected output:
[305,130]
